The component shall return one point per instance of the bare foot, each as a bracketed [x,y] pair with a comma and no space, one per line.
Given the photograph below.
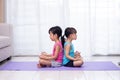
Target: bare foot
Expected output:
[38,65]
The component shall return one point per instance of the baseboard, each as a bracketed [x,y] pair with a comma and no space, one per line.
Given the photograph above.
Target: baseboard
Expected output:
[25,56]
[106,55]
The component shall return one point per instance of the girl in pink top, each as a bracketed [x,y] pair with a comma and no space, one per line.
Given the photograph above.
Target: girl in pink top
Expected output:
[54,59]
[60,54]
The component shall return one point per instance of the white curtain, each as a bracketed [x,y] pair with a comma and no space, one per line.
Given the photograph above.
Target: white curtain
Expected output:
[96,21]
[106,27]
[31,21]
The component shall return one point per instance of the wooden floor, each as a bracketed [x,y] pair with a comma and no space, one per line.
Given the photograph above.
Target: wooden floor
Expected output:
[63,75]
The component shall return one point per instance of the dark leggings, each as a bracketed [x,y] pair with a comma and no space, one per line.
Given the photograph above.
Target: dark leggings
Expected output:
[69,64]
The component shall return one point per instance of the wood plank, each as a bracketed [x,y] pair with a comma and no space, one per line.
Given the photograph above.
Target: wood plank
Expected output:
[114,74]
[97,75]
[72,75]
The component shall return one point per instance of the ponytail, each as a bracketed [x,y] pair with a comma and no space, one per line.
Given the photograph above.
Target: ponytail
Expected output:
[62,40]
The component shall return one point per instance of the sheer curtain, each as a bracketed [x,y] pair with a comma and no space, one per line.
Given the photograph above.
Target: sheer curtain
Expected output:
[106,27]
[96,21]
[31,20]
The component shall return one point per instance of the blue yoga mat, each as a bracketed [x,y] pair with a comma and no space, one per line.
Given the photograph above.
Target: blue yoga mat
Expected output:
[32,66]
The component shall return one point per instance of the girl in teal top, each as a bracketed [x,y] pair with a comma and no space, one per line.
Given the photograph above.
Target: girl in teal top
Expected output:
[70,58]
[71,52]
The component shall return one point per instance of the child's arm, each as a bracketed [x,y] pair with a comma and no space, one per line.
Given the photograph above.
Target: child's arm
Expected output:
[45,54]
[51,57]
[57,50]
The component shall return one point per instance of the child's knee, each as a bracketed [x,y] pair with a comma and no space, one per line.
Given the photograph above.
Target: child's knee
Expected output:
[40,56]
[81,62]
[41,61]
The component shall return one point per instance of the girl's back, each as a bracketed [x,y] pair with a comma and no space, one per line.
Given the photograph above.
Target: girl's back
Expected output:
[60,54]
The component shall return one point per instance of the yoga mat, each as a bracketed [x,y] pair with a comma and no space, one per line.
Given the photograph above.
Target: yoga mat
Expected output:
[32,66]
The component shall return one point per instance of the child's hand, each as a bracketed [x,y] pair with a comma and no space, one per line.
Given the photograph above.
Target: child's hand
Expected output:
[77,54]
[46,54]
[77,58]
[42,56]
[43,53]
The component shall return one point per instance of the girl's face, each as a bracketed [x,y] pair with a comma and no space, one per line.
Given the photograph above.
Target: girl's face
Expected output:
[51,36]
[74,36]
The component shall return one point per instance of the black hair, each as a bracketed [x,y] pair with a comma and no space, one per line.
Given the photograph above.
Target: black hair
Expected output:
[68,31]
[56,30]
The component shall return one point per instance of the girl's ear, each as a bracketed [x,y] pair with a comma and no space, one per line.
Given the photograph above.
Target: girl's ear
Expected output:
[56,35]
[70,35]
